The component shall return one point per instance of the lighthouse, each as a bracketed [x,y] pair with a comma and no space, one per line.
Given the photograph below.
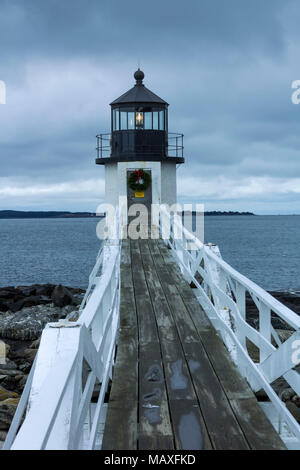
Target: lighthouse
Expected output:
[139,154]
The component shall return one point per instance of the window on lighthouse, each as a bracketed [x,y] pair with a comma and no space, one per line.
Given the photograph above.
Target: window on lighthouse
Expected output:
[130,120]
[148,120]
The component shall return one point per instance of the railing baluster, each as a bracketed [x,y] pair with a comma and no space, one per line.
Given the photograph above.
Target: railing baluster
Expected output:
[264,326]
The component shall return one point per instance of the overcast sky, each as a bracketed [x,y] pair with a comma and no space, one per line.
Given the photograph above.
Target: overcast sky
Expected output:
[225,67]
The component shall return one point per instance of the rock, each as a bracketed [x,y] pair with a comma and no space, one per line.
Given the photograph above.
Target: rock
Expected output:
[25,367]
[10,365]
[7,349]
[35,344]
[28,290]
[7,410]
[28,302]
[73,316]
[296,400]
[61,296]
[294,410]
[11,383]
[45,289]
[10,372]
[3,306]
[4,394]
[287,394]
[8,292]
[29,354]
[28,323]
[22,383]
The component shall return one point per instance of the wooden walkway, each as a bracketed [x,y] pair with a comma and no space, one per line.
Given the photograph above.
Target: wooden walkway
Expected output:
[174,384]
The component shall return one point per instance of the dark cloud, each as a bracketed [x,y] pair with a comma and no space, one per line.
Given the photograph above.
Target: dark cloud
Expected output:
[225,67]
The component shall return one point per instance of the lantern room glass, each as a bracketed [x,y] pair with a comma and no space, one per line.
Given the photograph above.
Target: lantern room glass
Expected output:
[138,118]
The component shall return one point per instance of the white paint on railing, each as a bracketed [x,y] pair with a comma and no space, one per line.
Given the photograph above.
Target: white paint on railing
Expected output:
[222,295]
[57,399]
[57,402]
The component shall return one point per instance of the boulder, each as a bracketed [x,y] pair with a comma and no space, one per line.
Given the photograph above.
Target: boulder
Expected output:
[4,394]
[22,383]
[7,410]
[28,323]
[3,305]
[61,296]
[11,383]
[45,289]
[9,372]
[10,365]
[35,344]
[29,354]
[294,410]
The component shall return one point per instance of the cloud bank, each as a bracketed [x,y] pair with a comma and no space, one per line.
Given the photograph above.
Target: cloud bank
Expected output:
[226,68]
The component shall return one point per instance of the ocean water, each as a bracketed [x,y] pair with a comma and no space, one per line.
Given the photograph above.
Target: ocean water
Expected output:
[264,248]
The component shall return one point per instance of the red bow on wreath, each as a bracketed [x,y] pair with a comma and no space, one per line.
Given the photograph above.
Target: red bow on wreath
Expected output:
[139,175]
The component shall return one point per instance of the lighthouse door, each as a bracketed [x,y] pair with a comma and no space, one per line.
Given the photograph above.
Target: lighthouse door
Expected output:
[139,197]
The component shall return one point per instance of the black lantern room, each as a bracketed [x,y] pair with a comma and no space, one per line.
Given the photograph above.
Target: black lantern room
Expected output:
[139,129]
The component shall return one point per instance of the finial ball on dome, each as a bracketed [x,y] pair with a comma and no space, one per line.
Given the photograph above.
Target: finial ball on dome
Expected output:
[139,76]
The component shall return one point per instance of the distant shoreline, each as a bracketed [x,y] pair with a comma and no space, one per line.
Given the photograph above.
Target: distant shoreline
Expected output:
[7,214]
[10,214]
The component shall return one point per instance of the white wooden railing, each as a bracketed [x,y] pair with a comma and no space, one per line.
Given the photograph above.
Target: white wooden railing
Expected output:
[72,367]
[221,291]
[74,361]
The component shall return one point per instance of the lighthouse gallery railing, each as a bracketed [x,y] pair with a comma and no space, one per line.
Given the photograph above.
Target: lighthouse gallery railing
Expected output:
[75,356]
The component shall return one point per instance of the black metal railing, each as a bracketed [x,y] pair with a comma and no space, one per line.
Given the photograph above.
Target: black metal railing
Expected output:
[103,145]
[175,144]
[173,148]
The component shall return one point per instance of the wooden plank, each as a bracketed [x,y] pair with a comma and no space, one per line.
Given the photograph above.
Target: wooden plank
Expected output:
[128,318]
[169,361]
[258,430]
[156,442]
[155,430]
[185,325]
[145,314]
[189,429]
[125,253]
[235,386]
[120,431]
[163,314]
[121,428]
[178,379]
[121,423]
[223,428]
[259,433]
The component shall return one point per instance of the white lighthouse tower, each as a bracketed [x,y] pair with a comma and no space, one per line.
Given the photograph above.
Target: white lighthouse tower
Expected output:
[139,155]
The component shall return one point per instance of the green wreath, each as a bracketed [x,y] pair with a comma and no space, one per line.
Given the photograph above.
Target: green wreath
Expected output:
[134,180]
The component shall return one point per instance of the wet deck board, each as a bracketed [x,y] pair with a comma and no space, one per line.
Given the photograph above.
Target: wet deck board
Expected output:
[174,384]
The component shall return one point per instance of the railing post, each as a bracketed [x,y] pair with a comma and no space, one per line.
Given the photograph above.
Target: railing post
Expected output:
[241,305]
[264,327]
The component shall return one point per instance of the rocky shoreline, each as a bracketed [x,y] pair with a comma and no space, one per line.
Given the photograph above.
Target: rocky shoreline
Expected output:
[24,312]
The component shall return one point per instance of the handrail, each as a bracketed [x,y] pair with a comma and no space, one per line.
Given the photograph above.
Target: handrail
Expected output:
[73,359]
[221,291]
[173,148]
